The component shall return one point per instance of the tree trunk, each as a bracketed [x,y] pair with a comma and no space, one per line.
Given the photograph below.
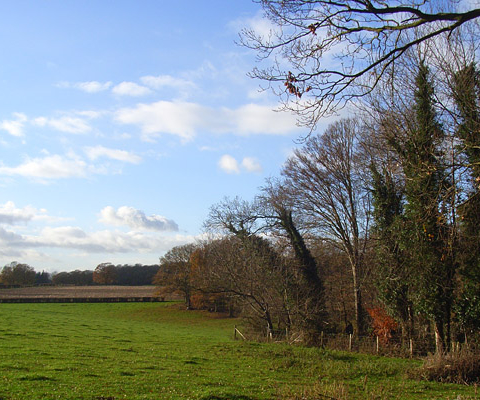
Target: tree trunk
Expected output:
[439,337]
[357,295]
[308,267]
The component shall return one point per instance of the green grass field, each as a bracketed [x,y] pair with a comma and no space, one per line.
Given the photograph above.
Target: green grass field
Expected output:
[156,351]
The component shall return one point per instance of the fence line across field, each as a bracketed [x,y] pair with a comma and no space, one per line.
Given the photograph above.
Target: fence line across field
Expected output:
[411,347]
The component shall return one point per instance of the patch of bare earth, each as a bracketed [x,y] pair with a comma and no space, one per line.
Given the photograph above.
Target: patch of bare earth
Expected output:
[78,292]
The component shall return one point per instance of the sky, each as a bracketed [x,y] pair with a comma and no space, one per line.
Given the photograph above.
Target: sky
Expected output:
[123,122]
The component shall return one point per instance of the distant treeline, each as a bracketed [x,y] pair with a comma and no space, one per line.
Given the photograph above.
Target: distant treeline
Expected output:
[17,274]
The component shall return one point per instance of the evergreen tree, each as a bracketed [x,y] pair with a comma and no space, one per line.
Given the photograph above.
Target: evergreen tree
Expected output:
[467,98]
[427,235]
[392,272]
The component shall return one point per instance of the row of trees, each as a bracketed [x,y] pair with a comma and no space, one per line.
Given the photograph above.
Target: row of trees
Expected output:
[105,273]
[379,211]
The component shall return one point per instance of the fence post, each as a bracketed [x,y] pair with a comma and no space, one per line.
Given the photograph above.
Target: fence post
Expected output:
[350,336]
[378,345]
[321,340]
[235,332]
[411,347]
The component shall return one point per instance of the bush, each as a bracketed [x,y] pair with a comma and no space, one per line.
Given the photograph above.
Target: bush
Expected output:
[462,368]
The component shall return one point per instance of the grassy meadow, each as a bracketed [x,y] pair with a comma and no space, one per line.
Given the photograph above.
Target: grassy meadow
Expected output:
[157,351]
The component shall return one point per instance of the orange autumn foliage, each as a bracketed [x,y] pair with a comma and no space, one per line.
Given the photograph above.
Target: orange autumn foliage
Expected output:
[383,324]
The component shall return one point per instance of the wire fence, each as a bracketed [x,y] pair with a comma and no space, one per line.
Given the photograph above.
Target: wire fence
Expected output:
[418,346]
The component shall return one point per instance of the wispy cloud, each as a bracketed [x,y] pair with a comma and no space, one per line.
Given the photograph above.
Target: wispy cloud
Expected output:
[49,167]
[88,87]
[262,26]
[96,152]
[252,165]
[130,89]
[162,81]
[136,219]
[67,124]
[15,126]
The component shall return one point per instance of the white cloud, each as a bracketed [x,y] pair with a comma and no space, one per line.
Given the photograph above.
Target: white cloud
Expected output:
[186,119]
[161,81]
[179,119]
[70,237]
[93,86]
[130,89]
[68,124]
[49,167]
[136,219]
[90,114]
[11,215]
[251,164]
[96,152]
[88,87]
[71,240]
[229,164]
[15,127]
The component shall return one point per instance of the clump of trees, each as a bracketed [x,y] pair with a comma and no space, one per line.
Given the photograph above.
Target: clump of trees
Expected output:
[375,219]
[77,277]
[19,274]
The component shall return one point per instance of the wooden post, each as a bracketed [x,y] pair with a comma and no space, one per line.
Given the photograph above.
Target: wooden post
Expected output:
[239,333]
[378,345]
[321,340]
[350,337]
[235,332]
[411,347]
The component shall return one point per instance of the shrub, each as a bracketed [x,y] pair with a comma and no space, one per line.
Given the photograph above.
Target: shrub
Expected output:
[383,324]
[462,368]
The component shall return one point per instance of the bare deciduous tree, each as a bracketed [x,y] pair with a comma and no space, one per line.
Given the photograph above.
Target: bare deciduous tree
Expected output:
[249,269]
[327,52]
[324,178]
[174,275]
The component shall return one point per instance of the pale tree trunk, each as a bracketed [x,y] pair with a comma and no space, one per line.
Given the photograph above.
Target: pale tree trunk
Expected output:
[439,337]
[359,312]
[357,296]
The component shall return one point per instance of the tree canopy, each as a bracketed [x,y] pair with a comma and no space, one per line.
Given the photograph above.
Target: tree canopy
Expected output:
[327,52]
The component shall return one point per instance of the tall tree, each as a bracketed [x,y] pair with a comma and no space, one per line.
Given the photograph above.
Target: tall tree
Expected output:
[271,213]
[467,99]
[279,215]
[466,91]
[325,179]
[392,272]
[427,236]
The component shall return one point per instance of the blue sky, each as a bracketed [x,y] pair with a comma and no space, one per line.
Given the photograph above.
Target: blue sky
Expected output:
[122,122]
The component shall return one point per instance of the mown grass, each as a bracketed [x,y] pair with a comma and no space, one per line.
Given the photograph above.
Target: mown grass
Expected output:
[156,351]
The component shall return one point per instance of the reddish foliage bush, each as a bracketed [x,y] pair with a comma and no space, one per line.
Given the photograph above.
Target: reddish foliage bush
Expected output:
[383,324]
